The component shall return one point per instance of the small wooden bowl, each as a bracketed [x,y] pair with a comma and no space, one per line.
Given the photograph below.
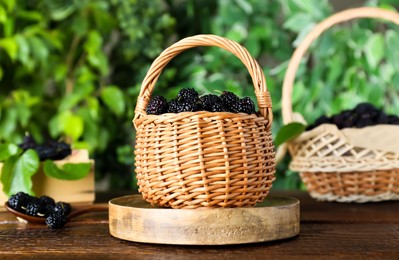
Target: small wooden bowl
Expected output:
[133,219]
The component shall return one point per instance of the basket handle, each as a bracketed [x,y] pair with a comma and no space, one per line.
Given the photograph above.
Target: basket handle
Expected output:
[288,83]
[258,78]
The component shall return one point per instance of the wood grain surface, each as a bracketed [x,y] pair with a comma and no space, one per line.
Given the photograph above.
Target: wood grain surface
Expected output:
[131,218]
[328,231]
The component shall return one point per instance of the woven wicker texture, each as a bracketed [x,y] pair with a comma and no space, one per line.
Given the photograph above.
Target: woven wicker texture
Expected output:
[331,167]
[325,149]
[204,159]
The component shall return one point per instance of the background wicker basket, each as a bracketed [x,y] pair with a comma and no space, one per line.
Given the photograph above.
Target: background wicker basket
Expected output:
[204,159]
[331,166]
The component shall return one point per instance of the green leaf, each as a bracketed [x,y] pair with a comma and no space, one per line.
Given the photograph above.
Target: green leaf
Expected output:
[17,172]
[237,33]
[68,171]
[298,21]
[63,13]
[23,49]
[288,132]
[3,15]
[73,126]
[113,98]
[7,150]
[39,48]
[374,50]
[93,42]
[10,46]
[9,4]
[253,45]
[392,43]
[67,123]
[245,6]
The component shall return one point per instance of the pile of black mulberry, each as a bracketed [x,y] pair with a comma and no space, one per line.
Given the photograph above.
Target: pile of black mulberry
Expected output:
[44,206]
[364,114]
[52,150]
[189,100]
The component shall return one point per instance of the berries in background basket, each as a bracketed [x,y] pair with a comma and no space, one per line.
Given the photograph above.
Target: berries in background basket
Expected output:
[157,105]
[393,120]
[56,220]
[364,114]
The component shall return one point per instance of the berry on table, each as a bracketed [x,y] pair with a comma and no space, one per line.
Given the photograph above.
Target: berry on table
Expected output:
[64,208]
[18,200]
[34,208]
[56,220]
[47,204]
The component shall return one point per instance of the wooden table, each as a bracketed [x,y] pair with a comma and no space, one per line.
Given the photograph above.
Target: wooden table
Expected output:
[328,229]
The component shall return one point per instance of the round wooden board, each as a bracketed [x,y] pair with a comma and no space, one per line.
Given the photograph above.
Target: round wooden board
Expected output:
[131,218]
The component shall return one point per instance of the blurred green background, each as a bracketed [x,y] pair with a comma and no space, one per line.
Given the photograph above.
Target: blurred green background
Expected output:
[72,69]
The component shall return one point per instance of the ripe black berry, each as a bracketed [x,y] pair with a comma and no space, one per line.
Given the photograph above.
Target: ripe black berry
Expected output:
[157,105]
[187,95]
[62,150]
[364,114]
[56,220]
[393,120]
[228,98]
[246,105]
[28,143]
[172,106]
[212,103]
[188,107]
[62,207]
[34,208]
[18,200]
[47,204]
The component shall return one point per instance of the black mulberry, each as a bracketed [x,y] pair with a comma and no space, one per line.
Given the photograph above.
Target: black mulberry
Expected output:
[246,105]
[157,105]
[56,220]
[187,95]
[62,207]
[18,200]
[188,107]
[47,204]
[173,106]
[34,208]
[212,103]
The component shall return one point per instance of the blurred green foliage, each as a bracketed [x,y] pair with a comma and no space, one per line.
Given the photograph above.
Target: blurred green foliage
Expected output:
[71,69]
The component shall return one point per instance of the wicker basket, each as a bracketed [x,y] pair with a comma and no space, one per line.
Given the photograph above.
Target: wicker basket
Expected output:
[332,166]
[204,159]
